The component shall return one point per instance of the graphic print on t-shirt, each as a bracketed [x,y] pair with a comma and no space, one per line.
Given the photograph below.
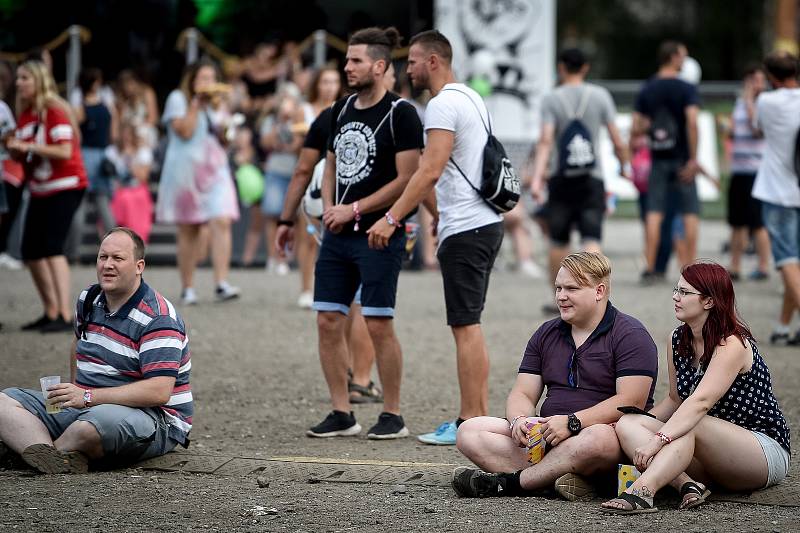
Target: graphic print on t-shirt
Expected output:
[355,152]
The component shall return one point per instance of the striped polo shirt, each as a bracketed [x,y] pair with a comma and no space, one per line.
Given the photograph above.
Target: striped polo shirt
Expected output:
[747,149]
[144,338]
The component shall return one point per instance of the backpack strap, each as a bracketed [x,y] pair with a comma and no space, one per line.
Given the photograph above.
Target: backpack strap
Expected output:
[344,107]
[583,103]
[390,116]
[86,308]
[488,127]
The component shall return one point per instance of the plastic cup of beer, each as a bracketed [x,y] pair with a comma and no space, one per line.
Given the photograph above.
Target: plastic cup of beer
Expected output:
[47,382]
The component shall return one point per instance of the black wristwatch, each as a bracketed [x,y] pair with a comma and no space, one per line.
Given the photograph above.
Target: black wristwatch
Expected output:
[284,222]
[573,424]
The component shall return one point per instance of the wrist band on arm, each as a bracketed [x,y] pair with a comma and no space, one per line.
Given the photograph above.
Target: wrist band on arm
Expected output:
[356,215]
[390,218]
[514,421]
[665,439]
[284,222]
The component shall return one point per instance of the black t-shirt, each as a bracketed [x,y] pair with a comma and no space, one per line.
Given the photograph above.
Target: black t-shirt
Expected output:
[674,95]
[318,133]
[365,142]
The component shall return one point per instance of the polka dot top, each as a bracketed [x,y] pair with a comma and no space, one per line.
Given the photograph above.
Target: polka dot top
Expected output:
[749,402]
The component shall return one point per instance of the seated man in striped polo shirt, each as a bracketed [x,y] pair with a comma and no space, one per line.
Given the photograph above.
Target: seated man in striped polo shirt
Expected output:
[129,397]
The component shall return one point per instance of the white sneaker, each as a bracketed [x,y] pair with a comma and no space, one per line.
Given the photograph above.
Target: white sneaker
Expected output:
[306,300]
[188,296]
[10,263]
[225,291]
[282,269]
[531,269]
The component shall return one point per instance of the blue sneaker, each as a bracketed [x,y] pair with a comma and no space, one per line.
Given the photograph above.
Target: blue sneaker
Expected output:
[445,435]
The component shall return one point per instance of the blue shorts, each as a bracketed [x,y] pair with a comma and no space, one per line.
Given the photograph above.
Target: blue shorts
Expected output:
[345,261]
[92,161]
[275,187]
[783,226]
[127,434]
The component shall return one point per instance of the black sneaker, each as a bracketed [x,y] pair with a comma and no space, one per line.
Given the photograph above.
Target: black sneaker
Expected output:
[389,426]
[336,424]
[57,326]
[780,338]
[474,483]
[36,324]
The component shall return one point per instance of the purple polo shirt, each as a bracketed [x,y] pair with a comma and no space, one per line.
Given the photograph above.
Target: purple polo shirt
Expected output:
[619,346]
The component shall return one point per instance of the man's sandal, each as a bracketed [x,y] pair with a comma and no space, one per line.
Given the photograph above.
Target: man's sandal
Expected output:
[362,394]
[636,505]
[692,495]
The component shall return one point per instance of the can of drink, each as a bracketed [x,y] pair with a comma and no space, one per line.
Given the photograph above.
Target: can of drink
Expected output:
[535,444]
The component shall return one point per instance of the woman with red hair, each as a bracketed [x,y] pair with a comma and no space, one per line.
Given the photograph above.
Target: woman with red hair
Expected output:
[720,422]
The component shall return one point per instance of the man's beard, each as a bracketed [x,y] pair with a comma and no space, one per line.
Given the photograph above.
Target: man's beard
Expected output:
[362,85]
[421,82]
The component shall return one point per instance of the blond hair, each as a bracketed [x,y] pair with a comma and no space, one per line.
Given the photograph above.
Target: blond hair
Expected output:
[45,95]
[588,268]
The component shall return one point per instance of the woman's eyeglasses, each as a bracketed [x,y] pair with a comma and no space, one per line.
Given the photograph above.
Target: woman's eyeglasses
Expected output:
[683,292]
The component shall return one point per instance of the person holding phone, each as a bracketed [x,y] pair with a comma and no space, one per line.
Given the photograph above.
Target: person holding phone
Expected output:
[592,360]
[721,422]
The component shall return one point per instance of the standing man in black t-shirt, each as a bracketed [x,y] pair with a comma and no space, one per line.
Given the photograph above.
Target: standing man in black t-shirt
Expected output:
[373,150]
[666,109]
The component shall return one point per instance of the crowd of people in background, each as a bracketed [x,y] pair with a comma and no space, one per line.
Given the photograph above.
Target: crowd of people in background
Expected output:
[229,140]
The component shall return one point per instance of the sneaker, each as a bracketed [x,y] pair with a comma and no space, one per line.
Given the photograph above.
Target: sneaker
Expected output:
[282,269]
[9,262]
[531,269]
[36,324]
[58,325]
[225,291]
[445,435]
[572,487]
[306,300]
[781,338]
[389,426]
[48,460]
[188,296]
[758,275]
[336,424]
[735,276]
[473,483]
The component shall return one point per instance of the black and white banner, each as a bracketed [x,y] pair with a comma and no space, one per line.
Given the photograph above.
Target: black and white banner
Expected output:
[505,50]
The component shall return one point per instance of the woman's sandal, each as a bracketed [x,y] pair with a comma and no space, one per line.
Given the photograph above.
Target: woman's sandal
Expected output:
[637,505]
[362,394]
[692,495]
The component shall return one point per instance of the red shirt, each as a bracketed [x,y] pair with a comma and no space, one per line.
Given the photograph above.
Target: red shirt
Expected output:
[49,176]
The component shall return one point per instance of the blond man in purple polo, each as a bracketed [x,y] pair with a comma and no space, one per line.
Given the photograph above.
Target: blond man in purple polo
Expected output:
[590,360]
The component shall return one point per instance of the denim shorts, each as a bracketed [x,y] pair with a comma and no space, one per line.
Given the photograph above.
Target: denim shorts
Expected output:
[777,458]
[275,187]
[127,434]
[345,261]
[783,226]
[665,186]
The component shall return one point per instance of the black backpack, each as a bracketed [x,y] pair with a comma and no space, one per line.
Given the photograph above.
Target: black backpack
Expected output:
[499,187]
[663,131]
[576,151]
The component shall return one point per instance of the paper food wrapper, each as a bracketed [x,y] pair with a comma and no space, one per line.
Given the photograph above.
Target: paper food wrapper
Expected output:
[626,475]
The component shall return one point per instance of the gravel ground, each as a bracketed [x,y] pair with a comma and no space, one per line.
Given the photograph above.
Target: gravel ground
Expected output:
[258,386]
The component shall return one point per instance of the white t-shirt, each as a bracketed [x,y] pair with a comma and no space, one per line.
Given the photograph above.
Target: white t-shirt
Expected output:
[460,207]
[778,116]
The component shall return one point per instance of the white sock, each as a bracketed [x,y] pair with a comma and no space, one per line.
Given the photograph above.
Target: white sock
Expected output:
[780,328]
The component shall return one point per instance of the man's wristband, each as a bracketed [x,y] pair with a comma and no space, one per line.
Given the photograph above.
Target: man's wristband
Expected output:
[392,220]
[665,439]
[87,398]
[514,421]
[284,222]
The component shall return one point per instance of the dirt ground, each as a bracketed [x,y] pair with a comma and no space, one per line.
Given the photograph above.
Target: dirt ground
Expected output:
[257,387]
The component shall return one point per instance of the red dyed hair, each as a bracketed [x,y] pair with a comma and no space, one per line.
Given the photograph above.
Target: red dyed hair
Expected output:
[713,280]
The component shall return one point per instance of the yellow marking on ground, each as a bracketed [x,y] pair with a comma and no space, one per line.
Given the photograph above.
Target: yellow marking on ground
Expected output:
[340,461]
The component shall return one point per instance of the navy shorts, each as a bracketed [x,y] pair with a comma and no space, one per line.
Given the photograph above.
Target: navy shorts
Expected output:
[575,203]
[127,434]
[663,181]
[345,261]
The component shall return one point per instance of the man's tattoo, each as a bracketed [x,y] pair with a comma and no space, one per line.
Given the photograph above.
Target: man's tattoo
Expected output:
[642,492]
